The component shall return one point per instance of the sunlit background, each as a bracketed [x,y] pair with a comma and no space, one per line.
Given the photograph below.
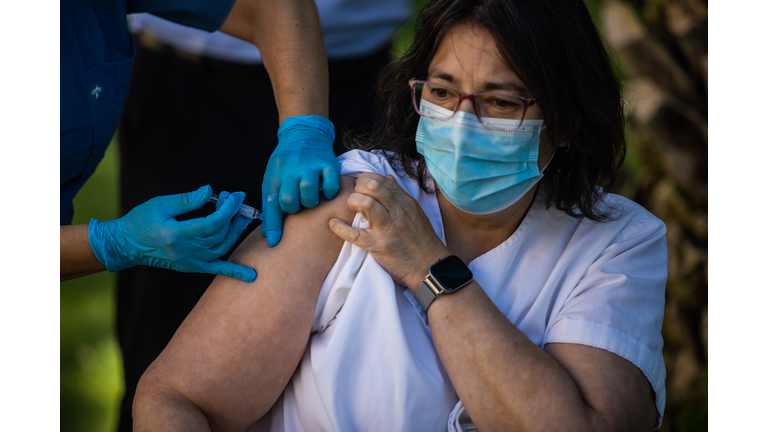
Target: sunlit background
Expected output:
[661,46]
[91,363]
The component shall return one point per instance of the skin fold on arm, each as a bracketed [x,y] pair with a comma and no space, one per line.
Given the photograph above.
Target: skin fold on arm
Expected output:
[232,357]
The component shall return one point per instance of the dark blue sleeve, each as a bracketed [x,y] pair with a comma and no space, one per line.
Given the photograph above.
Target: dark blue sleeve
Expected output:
[206,15]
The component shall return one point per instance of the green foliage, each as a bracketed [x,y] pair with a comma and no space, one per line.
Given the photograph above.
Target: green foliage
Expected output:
[90,362]
[403,37]
[693,419]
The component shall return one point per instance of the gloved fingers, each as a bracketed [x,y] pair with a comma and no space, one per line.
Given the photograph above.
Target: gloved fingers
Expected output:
[211,224]
[236,229]
[289,194]
[211,241]
[174,205]
[215,239]
[223,195]
[272,228]
[270,191]
[224,268]
[239,222]
[308,188]
[331,181]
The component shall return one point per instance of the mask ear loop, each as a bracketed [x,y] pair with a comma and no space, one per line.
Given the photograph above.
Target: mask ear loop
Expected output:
[548,162]
[567,149]
[550,158]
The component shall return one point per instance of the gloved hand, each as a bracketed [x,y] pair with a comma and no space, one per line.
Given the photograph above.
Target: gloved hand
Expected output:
[240,222]
[149,235]
[304,152]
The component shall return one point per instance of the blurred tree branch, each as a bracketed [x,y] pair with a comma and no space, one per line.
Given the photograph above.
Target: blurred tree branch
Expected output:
[662,50]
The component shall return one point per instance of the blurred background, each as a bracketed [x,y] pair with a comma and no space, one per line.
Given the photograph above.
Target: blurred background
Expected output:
[660,47]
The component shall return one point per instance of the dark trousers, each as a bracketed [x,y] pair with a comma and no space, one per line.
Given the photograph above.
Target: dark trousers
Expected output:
[187,123]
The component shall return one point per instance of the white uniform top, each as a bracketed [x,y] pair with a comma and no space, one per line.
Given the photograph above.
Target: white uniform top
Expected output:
[351,28]
[371,364]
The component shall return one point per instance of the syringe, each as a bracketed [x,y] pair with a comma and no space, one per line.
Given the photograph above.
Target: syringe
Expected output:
[245,210]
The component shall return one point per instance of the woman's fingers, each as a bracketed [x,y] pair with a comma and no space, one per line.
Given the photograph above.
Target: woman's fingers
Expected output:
[400,235]
[356,236]
[383,189]
[370,207]
[381,200]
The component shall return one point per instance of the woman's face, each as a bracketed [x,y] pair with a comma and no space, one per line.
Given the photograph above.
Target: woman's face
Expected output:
[467,59]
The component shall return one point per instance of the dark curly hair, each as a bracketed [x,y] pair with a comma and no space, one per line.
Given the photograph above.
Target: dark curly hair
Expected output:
[554,47]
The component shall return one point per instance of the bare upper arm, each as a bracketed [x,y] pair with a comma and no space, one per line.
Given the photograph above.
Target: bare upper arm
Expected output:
[615,388]
[237,349]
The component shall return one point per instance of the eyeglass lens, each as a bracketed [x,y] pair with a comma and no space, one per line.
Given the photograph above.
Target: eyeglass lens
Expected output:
[496,106]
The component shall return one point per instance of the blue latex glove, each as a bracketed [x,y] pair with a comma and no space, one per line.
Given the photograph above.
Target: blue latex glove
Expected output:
[240,222]
[149,235]
[304,153]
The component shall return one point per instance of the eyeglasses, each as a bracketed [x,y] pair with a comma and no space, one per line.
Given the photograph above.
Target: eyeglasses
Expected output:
[487,105]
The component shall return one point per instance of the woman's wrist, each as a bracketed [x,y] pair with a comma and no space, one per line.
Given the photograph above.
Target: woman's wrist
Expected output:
[421,267]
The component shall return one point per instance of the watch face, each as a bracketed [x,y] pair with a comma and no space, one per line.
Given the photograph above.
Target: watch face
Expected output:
[451,272]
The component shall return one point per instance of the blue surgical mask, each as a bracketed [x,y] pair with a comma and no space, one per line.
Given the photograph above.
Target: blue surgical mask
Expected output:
[478,169]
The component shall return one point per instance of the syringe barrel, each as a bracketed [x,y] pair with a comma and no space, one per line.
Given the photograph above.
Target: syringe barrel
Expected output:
[248,211]
[245,210]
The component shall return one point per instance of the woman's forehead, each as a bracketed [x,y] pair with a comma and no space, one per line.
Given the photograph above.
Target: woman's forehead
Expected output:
[468,57]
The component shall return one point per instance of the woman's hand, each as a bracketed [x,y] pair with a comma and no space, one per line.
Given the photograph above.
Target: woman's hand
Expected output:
[400,237]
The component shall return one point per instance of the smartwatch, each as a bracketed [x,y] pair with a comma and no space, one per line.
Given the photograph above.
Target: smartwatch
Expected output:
[447,276]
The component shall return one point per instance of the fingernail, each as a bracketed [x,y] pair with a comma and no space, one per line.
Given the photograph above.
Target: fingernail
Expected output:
[329,195]
[273,237]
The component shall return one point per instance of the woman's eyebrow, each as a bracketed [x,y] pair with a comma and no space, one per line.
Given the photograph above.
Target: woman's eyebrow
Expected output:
[445,76]
[511,87]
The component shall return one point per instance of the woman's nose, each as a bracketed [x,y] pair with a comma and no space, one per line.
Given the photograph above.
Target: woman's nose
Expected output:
[466,105]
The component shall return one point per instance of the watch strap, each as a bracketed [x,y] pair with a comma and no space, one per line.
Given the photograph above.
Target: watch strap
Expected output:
[425,295]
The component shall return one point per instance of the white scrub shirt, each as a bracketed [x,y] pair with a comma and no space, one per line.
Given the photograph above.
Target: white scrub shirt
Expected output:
[371,365]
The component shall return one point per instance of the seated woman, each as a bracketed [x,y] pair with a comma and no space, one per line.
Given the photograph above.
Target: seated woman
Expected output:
[517,119]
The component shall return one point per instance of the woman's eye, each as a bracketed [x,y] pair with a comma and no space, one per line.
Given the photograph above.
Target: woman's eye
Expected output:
[441,93]
[503,103]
